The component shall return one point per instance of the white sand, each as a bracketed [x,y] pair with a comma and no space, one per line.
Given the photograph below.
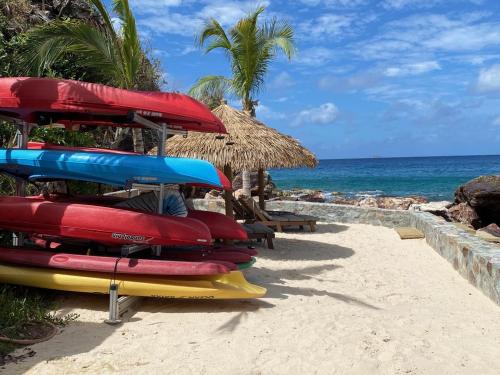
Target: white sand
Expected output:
[346,300]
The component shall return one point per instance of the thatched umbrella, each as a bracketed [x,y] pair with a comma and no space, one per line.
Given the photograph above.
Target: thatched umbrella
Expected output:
[249,145]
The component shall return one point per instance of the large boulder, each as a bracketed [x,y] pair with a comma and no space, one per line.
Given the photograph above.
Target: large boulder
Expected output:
[482,194]
[465,214]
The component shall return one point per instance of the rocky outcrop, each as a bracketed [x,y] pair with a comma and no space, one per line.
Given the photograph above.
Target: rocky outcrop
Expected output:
[477,202]
[390,203]
[465,214]
[305,195]
[436,208]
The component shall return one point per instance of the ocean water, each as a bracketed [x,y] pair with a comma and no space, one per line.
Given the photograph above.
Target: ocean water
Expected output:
[433,177]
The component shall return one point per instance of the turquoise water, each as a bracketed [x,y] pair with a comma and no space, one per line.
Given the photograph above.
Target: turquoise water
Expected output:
[433,177]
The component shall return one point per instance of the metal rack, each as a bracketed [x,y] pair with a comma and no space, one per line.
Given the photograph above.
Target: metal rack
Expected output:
[117,305]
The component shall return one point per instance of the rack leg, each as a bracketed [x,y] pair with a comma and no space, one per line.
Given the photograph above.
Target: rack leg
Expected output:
[119,305]
[114,313]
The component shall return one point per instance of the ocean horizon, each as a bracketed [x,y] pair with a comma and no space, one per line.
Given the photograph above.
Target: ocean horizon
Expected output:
[433,177]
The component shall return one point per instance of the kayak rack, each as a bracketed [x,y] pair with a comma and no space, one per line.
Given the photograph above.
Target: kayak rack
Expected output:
[117,305]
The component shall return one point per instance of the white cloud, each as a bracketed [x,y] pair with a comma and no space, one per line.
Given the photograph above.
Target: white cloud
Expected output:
[314,56]
[354,82]
[489,80]
[428,34]
[187,50]
[282,81]
[153,6]
[266,113]
[412,69]
[333,3]
[160,19]
[327,25]
[496,121]
[400,4]
[325,114]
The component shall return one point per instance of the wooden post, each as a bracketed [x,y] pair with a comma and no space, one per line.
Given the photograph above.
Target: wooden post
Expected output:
[228,194]
[262,203]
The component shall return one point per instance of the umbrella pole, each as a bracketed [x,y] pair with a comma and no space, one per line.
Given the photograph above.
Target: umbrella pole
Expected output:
[227,194]
[262,203]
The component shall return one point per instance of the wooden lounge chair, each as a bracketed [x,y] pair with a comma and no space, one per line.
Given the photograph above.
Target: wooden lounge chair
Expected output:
[278,219]
[259,232]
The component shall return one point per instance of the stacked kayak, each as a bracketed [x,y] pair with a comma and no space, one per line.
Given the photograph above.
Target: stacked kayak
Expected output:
[76,243]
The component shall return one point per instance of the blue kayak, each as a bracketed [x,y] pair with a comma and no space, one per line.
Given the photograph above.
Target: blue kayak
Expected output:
[106,168]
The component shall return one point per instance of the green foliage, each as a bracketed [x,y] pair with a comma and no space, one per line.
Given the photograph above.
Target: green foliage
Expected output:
[250,48]
[62,137]
[19,305]
[118,57]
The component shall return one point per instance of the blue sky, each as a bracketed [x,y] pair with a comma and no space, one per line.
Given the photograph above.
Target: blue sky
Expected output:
[386,77]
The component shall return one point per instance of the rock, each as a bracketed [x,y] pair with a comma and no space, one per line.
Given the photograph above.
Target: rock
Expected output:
[487,237]
[404,203]
[465,214]
[483,195]
[492,229]
[368,203]
[213,194]
[432,207]
[317,197]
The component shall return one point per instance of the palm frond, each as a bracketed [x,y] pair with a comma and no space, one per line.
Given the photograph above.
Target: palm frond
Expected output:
[279,35]
[129,46]
[47,43]
[99,5]
[215,32]
[210,89]
[251,49]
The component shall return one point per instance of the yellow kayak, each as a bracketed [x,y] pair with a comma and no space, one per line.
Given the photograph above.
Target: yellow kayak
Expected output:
[227,286]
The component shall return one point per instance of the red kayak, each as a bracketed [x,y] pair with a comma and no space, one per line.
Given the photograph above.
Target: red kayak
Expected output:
[221,226]
[226,184]
[111,226]
[47,100]
[206,255]
[63,245]
[39,258]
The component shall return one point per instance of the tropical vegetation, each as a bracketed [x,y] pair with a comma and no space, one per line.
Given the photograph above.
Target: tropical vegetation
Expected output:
[117,55]
[90,50]
[250,48]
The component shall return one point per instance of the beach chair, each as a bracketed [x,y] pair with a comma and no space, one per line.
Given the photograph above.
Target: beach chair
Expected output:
[240,212]
[255,230]
[277,219]
[259,232]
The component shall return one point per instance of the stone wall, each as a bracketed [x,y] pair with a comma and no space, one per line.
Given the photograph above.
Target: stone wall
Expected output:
[475,259]
[345,214]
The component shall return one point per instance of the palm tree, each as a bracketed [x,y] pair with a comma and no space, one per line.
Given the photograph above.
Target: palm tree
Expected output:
[116,54]
[250,48]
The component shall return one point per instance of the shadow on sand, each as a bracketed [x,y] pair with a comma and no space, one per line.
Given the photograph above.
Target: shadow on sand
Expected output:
[81,337]
[277,281]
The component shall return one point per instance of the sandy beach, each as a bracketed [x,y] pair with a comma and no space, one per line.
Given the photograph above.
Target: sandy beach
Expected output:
[349,299]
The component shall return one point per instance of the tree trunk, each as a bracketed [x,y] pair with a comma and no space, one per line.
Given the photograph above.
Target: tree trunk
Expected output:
[262,203]
[246,182]
[227,194]
[138,140]
[249,108]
